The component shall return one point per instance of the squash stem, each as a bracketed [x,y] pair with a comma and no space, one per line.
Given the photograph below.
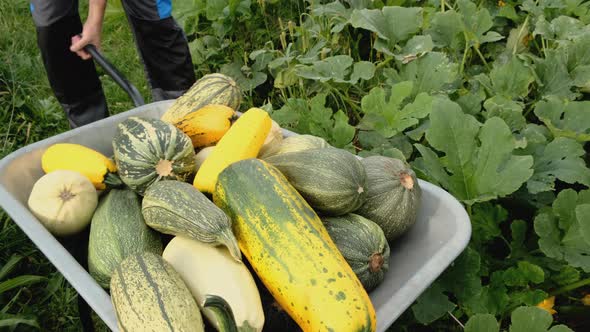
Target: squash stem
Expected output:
[376,262]
[228,239]
[112,180]
[222,310]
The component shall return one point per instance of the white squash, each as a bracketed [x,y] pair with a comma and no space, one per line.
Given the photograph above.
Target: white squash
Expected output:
[209,270]
[63,201]
[273,140]
[202,155]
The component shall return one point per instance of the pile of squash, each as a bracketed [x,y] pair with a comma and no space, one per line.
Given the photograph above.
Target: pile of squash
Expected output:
[203,213]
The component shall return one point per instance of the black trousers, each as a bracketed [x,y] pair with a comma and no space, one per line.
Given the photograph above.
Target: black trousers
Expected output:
[161,43]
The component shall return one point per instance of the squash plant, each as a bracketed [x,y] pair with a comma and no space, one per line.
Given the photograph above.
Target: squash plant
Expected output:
[486,99]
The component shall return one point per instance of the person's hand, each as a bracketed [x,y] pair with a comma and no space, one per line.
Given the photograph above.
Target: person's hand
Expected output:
[90,35]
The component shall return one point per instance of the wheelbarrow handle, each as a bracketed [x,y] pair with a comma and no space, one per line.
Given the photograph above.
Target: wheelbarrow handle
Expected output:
[115,74]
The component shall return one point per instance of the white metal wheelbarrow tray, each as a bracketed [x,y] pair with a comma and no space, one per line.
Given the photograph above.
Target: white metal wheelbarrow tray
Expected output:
[440,234]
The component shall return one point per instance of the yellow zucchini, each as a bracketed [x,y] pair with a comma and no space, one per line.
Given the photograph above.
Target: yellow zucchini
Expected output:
[291,251]
[207,125]
[242,141]
[75,157]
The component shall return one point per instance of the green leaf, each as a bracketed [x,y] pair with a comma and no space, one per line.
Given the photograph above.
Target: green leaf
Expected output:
[493,299]
[334,68]
[445,29]
[518,229]
[9,320]
[554,75]
[391,23]
[478,172]
[506,109]
[23,280]
[313,117]
[431,167]
[561,28]
[511,79]
[533,319]
[523,274]
[476,23]
[570,119]
[342,132]
[9,265]
[482,323]
[433,73]
[566,275]
[415,48]
[337,69]
[465,269]
[431,305]
[246,78]
[362,70]
[560,159]
[486,220]
[563,231]
[531,272]
[388,117]
[335,11]
[471,102]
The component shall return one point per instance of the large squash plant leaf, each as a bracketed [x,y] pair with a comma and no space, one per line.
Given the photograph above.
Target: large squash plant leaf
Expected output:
[392,24]
[387,116]
[560,159]
[478,163]
[433,73]
[564,230]
[313,117]
[524,319]
[482,323]
[571,119]
[533,319]
[339,69]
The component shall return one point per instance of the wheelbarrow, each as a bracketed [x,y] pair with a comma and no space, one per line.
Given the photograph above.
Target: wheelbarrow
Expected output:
[440,234]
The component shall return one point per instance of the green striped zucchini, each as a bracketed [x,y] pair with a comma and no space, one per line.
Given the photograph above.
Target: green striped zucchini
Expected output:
[209,89]
[149,295]
[178,208]
[149,150]
[118,230]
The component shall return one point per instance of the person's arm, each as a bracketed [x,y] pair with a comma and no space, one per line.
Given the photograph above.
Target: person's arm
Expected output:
[91,30]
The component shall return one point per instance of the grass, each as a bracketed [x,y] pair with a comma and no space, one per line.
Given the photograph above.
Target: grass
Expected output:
[28,113]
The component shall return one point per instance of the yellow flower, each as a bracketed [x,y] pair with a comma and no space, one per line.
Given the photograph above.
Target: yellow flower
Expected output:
[548,304]
[586,300]
[501,3]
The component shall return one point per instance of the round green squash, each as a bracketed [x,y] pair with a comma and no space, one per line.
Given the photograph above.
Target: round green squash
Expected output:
[393,195]
[148,150]
[149,295]
[331,180]
[177,208]
[363,245]
[294,144]
[118,230]
[210,89]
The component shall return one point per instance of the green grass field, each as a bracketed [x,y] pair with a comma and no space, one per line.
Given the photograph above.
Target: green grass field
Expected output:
[487,99]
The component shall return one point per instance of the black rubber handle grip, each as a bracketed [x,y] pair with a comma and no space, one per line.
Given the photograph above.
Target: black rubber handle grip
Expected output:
[116,75]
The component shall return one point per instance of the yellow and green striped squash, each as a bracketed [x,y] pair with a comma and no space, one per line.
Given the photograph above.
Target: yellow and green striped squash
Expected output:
[209,89]
[291,251]
[149,295]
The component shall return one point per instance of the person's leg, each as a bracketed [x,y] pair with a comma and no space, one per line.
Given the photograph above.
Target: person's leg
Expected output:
[162,46]
[74,81]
